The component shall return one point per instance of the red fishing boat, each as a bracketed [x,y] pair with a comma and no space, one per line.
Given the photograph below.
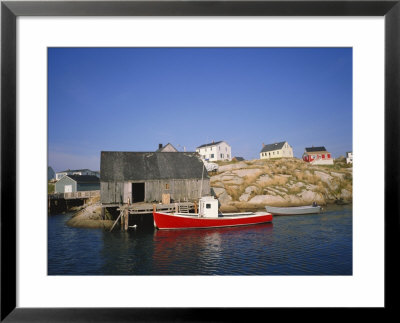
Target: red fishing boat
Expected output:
[208,217]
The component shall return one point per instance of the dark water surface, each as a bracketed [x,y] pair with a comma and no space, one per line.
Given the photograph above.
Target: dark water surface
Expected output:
[292,245]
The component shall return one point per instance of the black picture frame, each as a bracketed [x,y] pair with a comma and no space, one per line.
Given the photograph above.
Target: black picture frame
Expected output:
[10,10]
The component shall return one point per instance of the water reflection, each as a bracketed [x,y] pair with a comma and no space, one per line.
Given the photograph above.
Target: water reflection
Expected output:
[299,245]
[207,251]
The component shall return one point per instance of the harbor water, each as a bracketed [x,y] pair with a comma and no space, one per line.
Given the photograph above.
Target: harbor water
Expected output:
[314,244]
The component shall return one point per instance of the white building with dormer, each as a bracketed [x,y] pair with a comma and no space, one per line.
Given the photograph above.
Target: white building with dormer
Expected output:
[276,150]
[215,151]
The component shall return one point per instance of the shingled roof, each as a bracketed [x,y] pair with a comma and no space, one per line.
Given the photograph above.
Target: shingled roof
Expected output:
[84,178]
[122,166]
[160,149]
[314,149]
[210,144]
[272,147]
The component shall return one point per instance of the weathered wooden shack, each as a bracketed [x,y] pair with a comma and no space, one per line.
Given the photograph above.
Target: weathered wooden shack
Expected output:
[129,177]
[77,183]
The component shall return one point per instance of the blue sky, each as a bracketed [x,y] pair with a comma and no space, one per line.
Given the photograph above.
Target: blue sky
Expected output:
[132,99]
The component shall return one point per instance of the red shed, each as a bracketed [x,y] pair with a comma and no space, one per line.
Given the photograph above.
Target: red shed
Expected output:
[317,156]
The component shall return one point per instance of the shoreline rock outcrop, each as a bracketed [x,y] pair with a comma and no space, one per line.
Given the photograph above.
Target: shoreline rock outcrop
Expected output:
[250,185]
[89,217]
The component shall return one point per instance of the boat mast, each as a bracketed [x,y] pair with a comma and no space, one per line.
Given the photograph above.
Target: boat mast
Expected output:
[201,185]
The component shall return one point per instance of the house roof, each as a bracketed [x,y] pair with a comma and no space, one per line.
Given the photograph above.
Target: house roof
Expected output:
[272,147]
[238,158]
[163,147]
[75,170]
[84,178]
[315,149]
[121,166]
[210,144]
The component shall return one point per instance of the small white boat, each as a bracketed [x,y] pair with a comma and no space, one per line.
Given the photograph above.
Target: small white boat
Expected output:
[294,210]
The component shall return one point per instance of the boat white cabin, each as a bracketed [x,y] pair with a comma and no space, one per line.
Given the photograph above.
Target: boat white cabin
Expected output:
[208,207]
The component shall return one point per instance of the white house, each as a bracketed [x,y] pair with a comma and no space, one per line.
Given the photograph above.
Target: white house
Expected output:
[276,150]
[215,151]
[60,175]
[349,157]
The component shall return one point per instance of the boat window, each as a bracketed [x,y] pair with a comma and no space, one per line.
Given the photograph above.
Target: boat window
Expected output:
[208,206]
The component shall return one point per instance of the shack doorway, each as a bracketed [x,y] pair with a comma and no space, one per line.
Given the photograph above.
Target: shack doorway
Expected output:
[137,192]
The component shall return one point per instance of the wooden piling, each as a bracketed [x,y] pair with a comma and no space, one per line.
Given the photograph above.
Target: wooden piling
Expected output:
[195,207]
[122,220]
[126,216]
[116,221]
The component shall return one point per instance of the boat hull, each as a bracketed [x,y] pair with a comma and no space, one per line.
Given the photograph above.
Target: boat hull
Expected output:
[293,210]
[170,221]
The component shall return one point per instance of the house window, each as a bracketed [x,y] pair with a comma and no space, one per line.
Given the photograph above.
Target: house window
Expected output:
[323,156]
[167,186]
[212,155]
[227,156]
[329,155]
[208,206]
[222,155]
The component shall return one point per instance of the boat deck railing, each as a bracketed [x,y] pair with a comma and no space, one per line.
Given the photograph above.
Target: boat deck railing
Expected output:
[146,208]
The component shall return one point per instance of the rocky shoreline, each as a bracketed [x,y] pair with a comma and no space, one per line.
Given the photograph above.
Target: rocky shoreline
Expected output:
[89,217]
[250,185]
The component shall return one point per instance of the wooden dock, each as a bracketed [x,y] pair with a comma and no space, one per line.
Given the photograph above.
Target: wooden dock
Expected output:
[62,202]
[148,208]
[74,195]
